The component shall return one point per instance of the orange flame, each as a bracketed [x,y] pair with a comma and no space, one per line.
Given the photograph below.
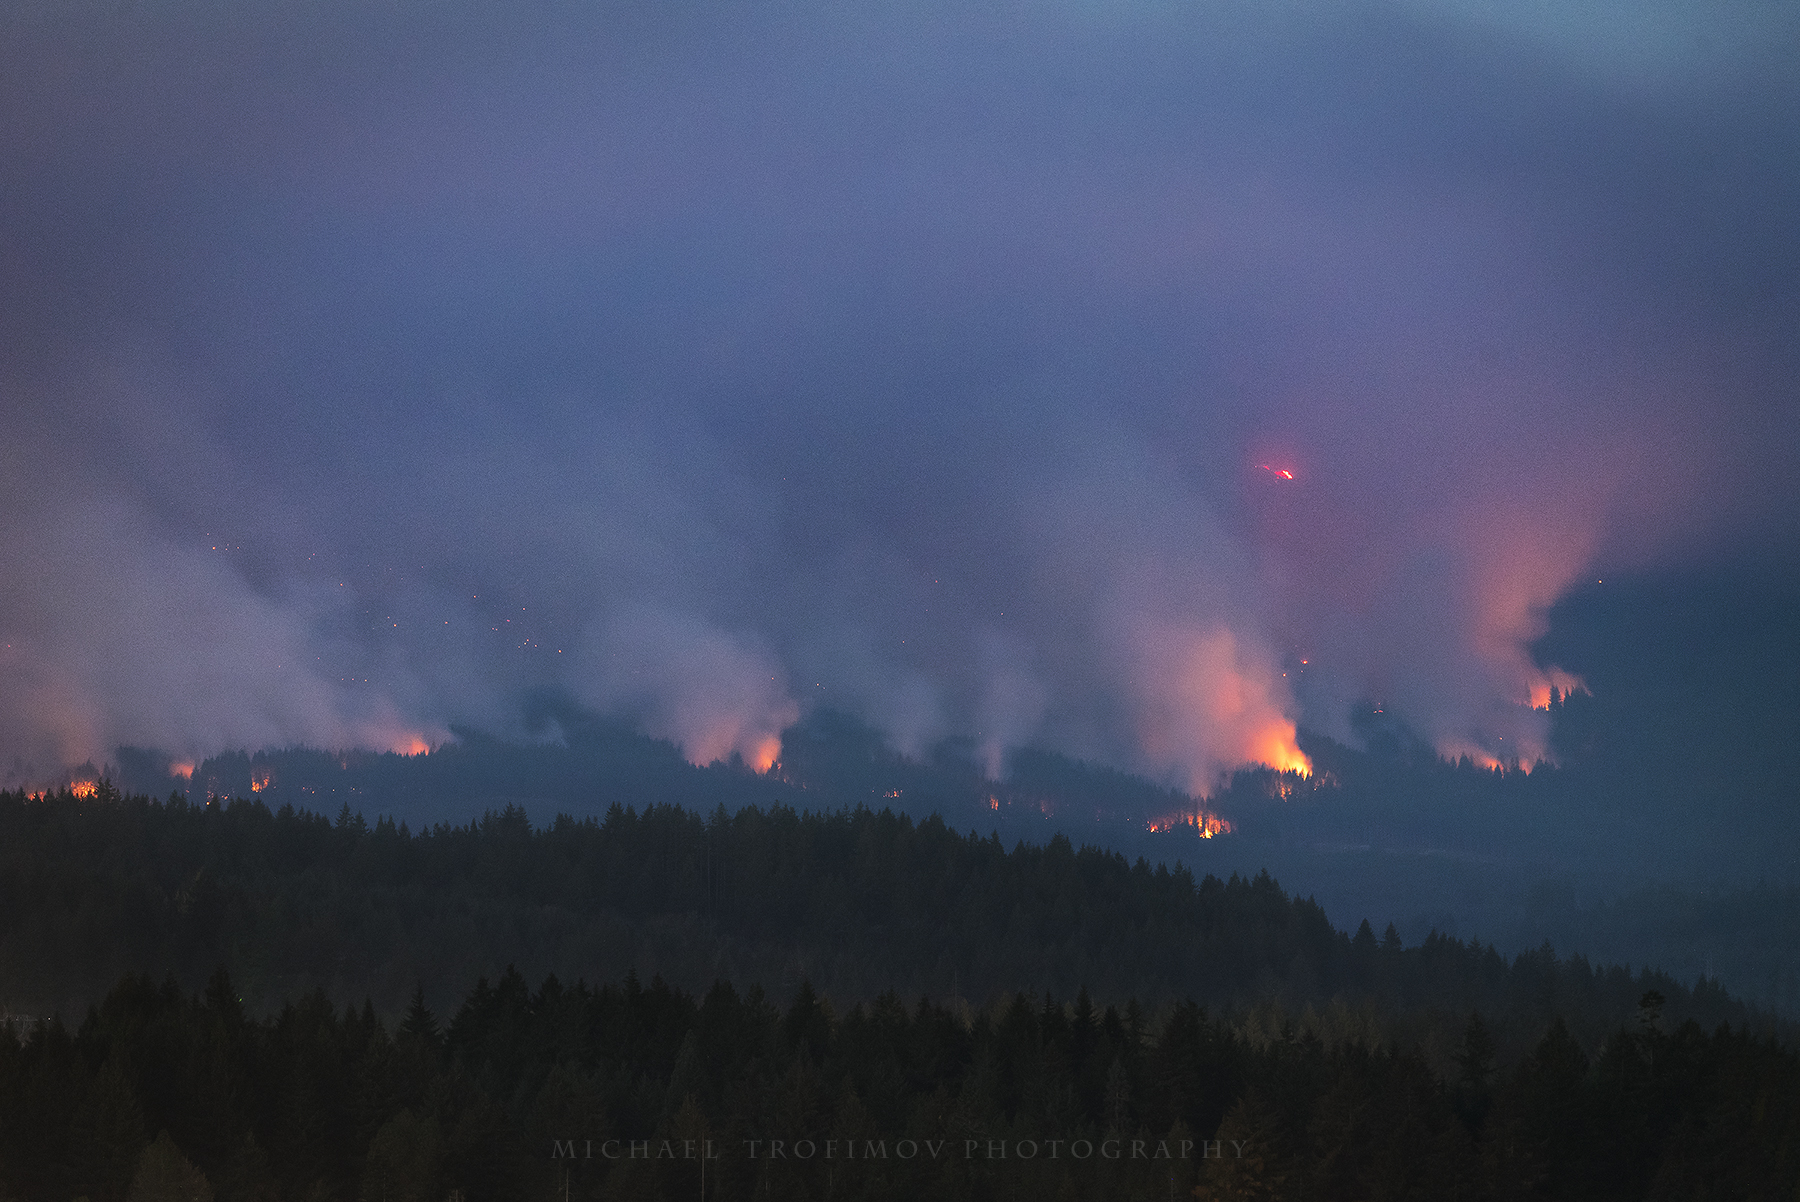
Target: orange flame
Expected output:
[184,769]
[260,780]
[1554,678]
[1282,788]
[718,697]
[83,788]
[1207,825]
[762,754]
[1528,565]
[1456,749]
[716,737]
[1277,746]
[1214,703]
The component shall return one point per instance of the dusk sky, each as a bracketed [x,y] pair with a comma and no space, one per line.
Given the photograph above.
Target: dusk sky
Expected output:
[370,367]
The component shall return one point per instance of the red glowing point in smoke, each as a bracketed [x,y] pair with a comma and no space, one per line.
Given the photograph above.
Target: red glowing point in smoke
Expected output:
[1280,473]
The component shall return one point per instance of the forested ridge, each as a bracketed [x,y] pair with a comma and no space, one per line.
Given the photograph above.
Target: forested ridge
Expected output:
[860,902]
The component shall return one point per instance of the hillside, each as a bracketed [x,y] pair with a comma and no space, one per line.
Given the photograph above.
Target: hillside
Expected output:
[860,902]
[1385,830]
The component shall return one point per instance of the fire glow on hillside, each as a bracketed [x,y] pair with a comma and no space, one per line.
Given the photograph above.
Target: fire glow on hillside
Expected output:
[1206,825]
[1066,441]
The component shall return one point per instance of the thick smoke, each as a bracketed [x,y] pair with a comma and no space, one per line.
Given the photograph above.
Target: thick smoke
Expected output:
[119,633]
[370,371]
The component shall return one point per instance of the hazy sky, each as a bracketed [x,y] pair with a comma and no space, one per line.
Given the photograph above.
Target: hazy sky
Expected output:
[369,366]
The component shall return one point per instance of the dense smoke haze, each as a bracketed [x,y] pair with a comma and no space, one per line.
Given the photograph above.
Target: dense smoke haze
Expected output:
[1141,380]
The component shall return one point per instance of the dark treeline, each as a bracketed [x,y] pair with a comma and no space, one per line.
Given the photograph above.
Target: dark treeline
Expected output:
[1748,938]
[860,902]
[549,1093]
[1385,827]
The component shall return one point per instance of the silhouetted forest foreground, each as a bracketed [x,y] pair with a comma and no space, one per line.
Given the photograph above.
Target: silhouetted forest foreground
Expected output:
[633,1092]
[1116,1029]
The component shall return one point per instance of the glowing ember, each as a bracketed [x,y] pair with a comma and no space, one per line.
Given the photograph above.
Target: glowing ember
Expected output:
[260,780]
[1280,473]
[1206,825]
[1282,788]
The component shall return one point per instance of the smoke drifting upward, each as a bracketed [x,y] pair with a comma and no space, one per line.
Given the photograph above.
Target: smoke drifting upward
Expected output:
[1206,707]
[118,631]
[712,362]
[690,683]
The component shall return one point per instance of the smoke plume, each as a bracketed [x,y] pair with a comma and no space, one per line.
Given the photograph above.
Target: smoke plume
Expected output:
[1141,381]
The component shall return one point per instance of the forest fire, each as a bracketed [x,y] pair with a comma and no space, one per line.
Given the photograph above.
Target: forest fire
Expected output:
[261,779]
[1457,750]
[1284,785]
[1277,746]
[729,743]
[763,754]
[1204,824]
[83,789]
[1554,682]
[1214,702]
